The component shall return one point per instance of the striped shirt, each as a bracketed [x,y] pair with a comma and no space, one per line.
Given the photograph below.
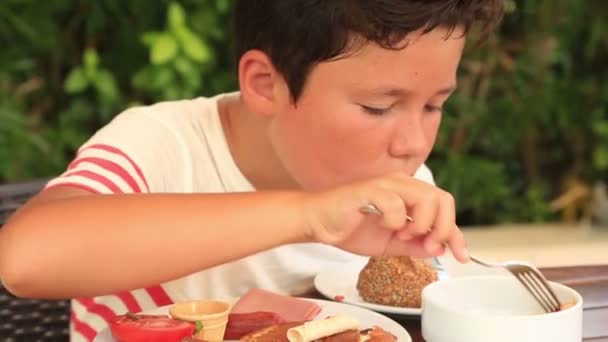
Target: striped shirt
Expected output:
[180,146]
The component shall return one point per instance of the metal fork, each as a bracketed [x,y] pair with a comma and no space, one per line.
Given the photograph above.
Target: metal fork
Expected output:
[532,279]
[372,209]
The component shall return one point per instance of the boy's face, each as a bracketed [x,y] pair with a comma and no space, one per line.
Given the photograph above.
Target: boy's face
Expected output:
[369,114]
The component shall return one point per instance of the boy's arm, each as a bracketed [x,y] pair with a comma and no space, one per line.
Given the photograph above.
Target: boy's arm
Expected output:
[153,237]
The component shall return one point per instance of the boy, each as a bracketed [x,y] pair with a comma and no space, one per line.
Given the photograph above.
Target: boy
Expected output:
[338,107]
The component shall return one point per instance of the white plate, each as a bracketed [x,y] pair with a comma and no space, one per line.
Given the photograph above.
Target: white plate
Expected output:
[343,282]
[367,319]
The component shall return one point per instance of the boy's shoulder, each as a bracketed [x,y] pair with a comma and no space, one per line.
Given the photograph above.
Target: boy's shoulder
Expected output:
[171,111]
[176,120]
[156,147]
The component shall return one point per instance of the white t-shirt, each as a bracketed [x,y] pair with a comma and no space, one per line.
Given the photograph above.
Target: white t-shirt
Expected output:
[180,147]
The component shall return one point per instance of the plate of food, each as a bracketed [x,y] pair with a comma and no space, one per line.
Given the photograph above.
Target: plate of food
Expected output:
[258,316]
[384,284]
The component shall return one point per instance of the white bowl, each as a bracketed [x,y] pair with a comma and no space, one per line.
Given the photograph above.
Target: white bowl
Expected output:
[496,309]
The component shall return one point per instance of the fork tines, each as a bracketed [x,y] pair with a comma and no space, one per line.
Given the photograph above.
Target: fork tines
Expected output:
[536,284]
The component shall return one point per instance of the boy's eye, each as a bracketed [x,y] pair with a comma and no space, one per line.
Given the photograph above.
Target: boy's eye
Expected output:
[432,109]
[375,110]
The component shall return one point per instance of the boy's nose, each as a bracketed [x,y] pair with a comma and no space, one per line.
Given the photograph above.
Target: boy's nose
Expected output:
[410,139]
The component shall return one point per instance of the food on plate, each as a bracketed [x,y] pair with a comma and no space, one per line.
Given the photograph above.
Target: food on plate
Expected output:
[259,309]
[315,330]
[290,308]
[274,333]
[210,316]
[377,334]
[395,280]
[241,324]
[338,328]
[257,316]
[149,328]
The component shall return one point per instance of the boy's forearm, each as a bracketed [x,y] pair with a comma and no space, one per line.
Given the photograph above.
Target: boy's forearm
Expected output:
[130,241]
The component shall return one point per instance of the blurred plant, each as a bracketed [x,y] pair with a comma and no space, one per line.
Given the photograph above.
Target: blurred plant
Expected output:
[68,67]
[600,150]
[529,123]
[90,76]
[177,59]
[18,147]
[533,104]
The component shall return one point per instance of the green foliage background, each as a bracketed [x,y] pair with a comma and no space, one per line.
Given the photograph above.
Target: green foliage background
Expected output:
[530,112]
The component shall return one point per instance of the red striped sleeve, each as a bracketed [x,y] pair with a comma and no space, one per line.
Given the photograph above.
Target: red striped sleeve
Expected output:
[99,172]
[129,300]
[110,166]
[82,328]
[74,184]
[159,295]
[96,177]
[119,152]
[101,310]
[103,168]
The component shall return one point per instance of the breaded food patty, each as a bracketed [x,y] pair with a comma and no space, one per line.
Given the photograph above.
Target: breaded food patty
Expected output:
[395,281]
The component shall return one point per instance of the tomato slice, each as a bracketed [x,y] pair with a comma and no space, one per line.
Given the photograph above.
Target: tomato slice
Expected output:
[149,328]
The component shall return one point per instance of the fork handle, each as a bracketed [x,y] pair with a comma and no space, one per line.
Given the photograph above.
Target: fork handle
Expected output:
[372,209]
[477,261]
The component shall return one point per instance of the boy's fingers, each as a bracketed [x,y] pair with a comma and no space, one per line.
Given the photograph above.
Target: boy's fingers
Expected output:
[394,211]
[391,207]
[432,247]
[458,246]
[404,235]
[445,223]
[413,247]
[421,203]
[424,213]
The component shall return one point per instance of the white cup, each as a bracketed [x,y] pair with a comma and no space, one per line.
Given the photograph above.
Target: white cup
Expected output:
[496,309]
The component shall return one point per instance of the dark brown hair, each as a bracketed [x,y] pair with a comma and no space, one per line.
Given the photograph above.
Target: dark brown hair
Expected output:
[298,34]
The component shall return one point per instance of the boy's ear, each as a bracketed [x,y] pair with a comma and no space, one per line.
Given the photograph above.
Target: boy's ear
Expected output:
[258,80]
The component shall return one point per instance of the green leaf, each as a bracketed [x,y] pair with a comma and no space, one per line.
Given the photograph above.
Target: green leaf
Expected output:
[184,66]
[600,158]
[188,71]
[162,77]
[176,16]
[76,81]
[601,129]
[106,87]
[90,59]
[163,49]
[150,37]
[153,78]
[142,79]
[171,93]
[222,5]
[194,47]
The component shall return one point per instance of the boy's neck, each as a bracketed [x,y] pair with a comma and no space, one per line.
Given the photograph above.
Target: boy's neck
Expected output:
[250,146]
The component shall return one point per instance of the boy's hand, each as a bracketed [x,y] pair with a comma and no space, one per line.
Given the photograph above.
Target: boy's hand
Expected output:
[335,218]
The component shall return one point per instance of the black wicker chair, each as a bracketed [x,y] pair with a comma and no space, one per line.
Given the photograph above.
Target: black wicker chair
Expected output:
[25,320]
